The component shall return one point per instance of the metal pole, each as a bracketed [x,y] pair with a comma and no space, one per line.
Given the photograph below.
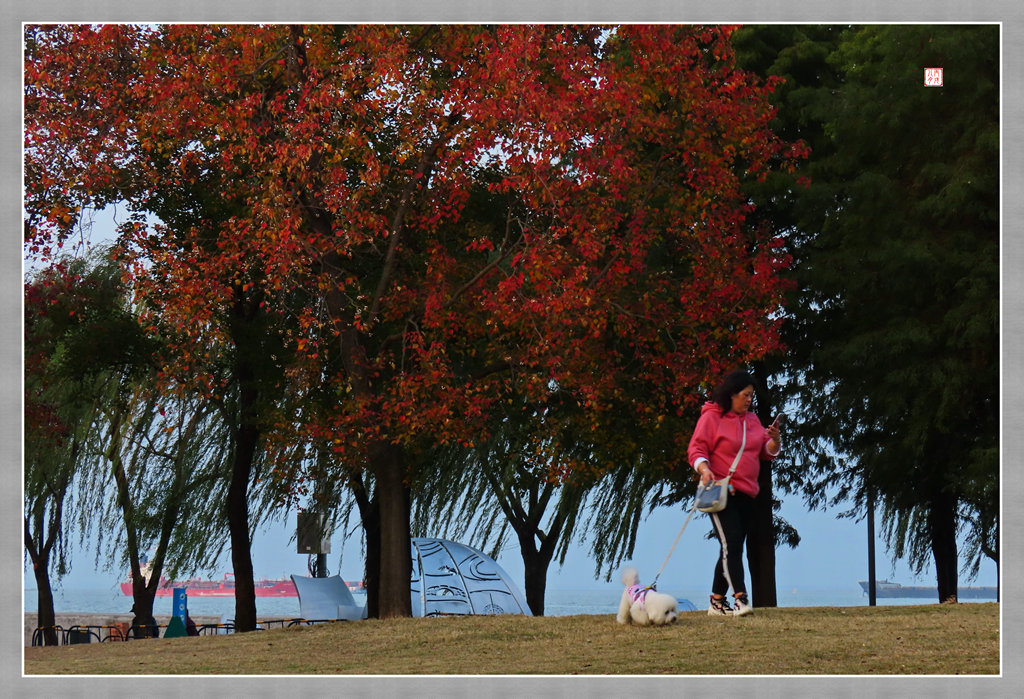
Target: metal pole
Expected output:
[871,548]
[323,542]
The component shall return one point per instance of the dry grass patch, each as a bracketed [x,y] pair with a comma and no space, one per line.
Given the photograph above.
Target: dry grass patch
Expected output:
[931,639]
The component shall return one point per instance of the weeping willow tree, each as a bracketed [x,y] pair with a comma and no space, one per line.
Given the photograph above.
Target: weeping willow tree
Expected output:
[78,341]
[111,446]
[542,479]
[139,461]
[56,421]
[158,471]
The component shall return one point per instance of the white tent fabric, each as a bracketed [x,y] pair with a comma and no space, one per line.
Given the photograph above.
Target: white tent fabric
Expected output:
[450,579]
[326,598]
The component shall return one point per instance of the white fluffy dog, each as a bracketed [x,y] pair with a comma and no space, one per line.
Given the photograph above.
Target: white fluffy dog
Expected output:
[644,606]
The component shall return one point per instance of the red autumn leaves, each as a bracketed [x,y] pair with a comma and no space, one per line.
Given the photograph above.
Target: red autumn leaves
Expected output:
[330,177]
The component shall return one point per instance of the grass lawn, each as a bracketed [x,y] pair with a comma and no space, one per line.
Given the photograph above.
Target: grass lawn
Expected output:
[956,639]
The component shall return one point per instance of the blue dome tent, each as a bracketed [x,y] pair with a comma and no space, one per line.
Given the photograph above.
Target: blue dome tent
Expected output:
[455,579]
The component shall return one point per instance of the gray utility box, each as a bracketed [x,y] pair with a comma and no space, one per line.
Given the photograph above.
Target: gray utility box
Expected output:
[311,534]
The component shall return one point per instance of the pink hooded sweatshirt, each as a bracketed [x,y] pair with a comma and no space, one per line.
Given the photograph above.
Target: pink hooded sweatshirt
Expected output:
[717,438]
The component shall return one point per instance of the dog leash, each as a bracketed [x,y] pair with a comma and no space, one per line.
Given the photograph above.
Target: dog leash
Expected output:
[688,516]
[653,585]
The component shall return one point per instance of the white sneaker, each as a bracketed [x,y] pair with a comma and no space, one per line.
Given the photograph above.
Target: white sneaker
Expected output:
[719,607]
[741,605]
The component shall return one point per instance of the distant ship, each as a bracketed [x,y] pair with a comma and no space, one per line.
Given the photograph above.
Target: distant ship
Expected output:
[886,588]
[281,587]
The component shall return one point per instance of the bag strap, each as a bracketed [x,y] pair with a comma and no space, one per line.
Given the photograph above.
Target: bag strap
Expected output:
[736,461]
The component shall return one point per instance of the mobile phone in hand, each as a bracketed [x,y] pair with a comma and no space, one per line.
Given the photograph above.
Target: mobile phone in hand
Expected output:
[778,419]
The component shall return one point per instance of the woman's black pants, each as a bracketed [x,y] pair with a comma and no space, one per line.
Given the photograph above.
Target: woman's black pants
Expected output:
[732,525]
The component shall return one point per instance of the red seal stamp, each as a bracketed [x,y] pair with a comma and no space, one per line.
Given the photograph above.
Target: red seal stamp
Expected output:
[933,77]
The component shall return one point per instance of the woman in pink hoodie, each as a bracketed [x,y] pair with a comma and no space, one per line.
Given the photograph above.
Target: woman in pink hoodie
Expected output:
[716,440]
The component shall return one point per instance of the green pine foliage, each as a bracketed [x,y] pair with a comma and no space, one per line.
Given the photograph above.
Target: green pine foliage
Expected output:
[894,327]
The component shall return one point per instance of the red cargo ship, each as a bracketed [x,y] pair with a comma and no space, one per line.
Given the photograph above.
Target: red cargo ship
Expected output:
[196,587]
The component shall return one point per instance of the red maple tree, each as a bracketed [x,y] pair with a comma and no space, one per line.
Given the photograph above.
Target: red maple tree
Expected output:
[314,181]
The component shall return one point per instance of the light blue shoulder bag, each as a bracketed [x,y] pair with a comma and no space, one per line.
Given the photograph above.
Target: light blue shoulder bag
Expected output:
[714,496]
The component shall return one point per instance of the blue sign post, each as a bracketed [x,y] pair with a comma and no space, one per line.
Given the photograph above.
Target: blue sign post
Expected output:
[181,604]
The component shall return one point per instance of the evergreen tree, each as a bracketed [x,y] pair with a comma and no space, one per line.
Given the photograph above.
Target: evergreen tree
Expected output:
[796,57]
[894,334]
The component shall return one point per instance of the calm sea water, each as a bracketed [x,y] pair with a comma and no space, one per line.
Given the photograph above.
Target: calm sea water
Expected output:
[557,602]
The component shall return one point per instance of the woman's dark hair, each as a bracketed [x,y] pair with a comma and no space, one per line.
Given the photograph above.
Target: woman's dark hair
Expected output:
[731,385]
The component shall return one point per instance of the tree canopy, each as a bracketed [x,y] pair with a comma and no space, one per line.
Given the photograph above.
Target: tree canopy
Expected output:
[312,184]
[894,333]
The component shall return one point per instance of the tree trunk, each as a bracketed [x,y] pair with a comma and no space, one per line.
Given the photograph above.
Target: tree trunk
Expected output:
[762,539]
[40,557]
[761,543]
[392,495]
[238,501]
[372,566]
[535,573]
[537,559]
[942,526]
[247,436]
[238,526]
[369,516]
[143,602]
[45,617]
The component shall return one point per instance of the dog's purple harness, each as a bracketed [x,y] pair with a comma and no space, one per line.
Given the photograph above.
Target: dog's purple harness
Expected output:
[637,593]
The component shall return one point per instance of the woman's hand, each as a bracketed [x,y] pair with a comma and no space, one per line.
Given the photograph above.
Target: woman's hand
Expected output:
[774,439]
[705,473]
